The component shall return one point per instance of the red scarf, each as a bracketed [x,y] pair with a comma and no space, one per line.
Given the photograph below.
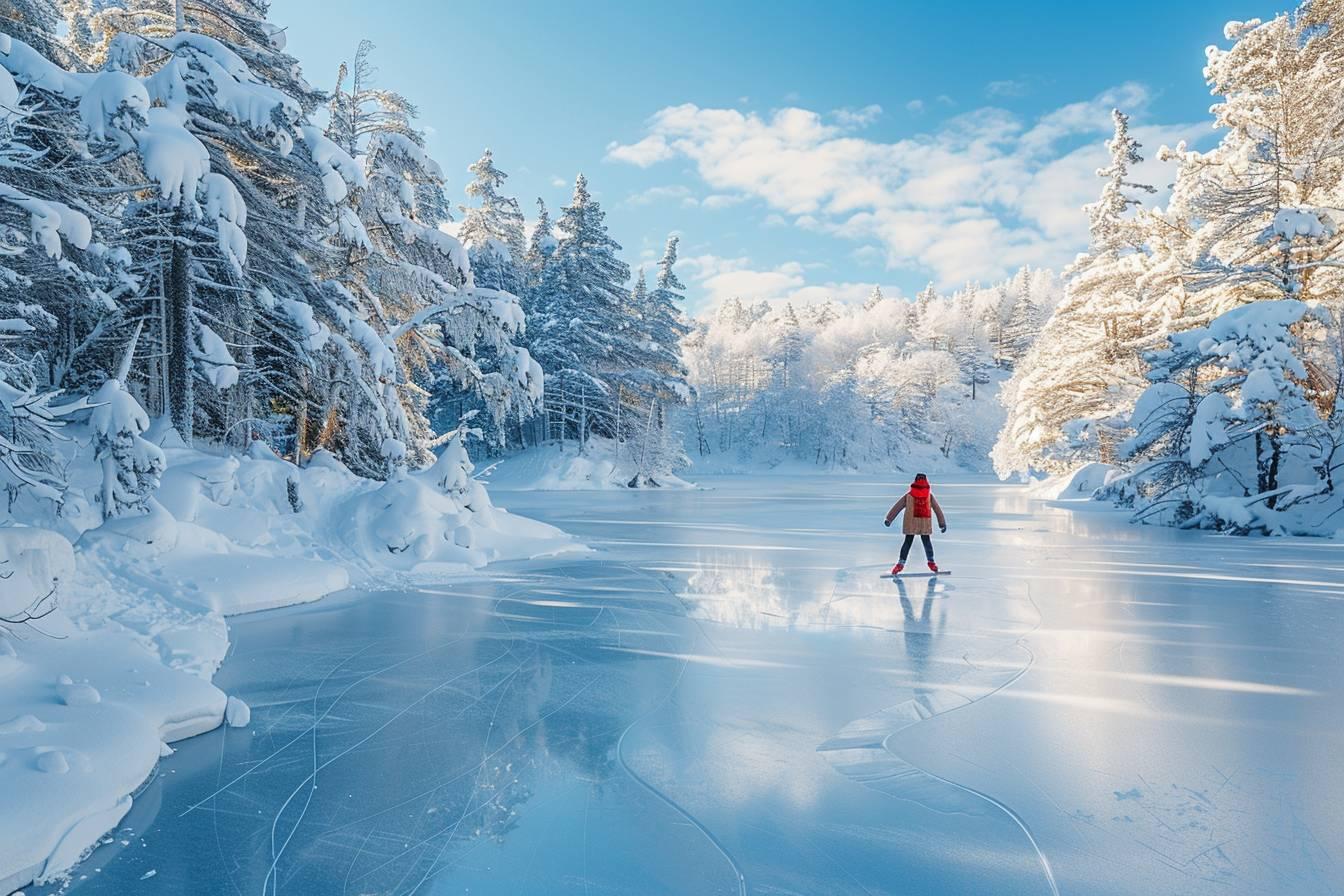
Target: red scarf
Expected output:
[921,500]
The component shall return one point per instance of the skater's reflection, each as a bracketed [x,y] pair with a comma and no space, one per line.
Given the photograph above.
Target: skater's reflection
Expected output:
[919,632]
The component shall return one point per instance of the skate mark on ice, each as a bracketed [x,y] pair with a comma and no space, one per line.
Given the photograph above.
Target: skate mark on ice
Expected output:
[662,797]
[667,800]
[310,782]
[862,750]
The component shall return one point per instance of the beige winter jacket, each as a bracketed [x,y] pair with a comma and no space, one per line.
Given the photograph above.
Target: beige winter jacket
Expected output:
[915,525]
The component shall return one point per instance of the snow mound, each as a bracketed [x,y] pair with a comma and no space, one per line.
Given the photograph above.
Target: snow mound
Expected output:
[561,466]
[137,602]
[1080,484]
[84,711]
[237,713]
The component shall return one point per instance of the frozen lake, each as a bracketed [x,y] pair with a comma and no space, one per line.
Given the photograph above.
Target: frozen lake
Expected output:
[725,698]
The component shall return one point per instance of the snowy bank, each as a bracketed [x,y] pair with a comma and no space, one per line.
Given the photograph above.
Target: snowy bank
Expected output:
[126,616]
[84,711]
[561,466]
[773,460]
[1079,484]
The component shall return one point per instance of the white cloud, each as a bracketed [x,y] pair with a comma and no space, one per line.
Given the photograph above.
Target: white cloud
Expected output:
[1006,88]
[659,194]
[649,151]
[867,255]
[722,200]
[915,106]
[857,118]
[984,194]
[715,279]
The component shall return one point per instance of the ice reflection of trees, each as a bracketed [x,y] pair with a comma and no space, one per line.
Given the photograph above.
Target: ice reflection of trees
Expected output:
[759,596]
[745,596]
[513,746]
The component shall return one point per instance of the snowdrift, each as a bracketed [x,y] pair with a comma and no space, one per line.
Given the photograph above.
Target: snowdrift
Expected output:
[1080,484]
[128,614]
[560,466]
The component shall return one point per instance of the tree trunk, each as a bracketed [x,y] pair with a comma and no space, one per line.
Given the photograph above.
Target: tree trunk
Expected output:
[181,398]
[583,418]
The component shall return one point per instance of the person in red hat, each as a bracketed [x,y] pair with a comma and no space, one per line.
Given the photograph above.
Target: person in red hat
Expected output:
[920,508]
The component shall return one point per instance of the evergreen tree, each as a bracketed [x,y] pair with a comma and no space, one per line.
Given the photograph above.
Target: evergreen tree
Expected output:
[1069,397]
[357,112]
[588,345]
[428,338]
[664,327]
[662,372]
[1020,331]
[1228,435]
[493,231]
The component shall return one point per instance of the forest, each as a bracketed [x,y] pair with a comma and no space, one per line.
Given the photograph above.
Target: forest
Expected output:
[195,237]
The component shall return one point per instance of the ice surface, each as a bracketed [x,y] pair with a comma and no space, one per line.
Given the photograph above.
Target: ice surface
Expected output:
[727,699]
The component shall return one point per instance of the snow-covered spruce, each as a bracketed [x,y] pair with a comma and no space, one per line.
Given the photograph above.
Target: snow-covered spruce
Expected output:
[1068,401]
[611,355]
[1228,437]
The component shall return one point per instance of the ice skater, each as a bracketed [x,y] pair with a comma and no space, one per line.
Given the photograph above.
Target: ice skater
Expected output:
[920,508]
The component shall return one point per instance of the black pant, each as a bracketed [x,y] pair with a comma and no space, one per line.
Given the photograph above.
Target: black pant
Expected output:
[910,539]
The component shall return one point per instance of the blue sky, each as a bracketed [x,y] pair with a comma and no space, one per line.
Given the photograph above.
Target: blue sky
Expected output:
[802,150]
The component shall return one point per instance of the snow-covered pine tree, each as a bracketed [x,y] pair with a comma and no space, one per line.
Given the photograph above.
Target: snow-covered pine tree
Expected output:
[661,378]
[1283,147]
[57,207]
[1021,328]
[421,329]
[1069,397]
[664,327]
[1227,437]
[786,347]
[586,344]
[972,360]
[493,235]
[926,300]
[493,230]
[358,110]
[31,420]
[639,294]
[227,103]
[539,250]
[131,465]
[36,23]
[1242,427]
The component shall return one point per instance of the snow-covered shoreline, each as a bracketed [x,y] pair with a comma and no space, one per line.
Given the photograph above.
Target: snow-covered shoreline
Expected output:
[120,662]
[565,466]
